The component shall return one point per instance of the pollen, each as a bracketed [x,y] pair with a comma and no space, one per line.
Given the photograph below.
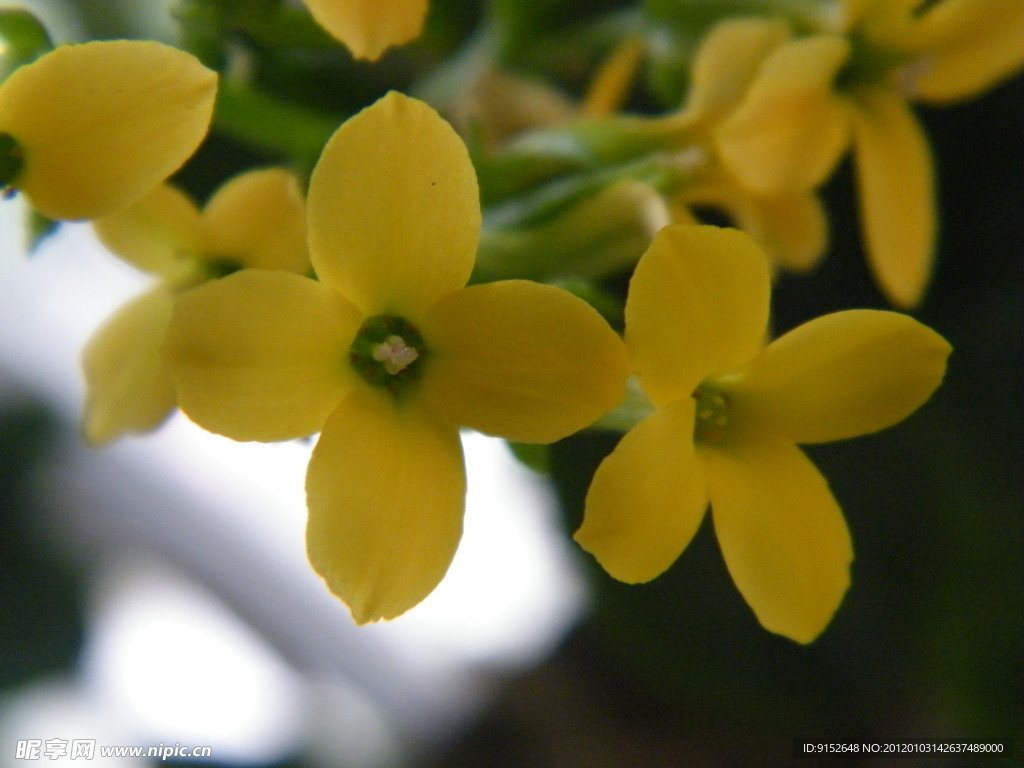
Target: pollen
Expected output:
[394,354]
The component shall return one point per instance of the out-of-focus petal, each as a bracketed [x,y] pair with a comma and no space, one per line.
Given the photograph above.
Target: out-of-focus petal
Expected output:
[880,21]
[841,375]
[259,220]
[127,387]
[522,360]
[697,306]
[370,27]
[792,229]
[261,355]
[385,489]
[789,132]
[611,84]
[782,535]
[394,209]
[896,193]
[498,105]
[727,62]
[157,234]
[104,122]
[647,498]
[964,47]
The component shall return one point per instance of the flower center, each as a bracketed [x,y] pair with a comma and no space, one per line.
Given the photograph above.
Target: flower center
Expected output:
[868,64]
[712,417]
[216,267]
[388,352]
[12,161]
[394,354]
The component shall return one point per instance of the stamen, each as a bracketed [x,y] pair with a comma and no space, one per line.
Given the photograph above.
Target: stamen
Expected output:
[394,354]
[712,415]
[908,76]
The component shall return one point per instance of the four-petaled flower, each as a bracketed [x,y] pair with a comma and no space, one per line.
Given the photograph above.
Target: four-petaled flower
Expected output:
[89,129]
[813,95]
[728,415]
[389,354]
[255,220]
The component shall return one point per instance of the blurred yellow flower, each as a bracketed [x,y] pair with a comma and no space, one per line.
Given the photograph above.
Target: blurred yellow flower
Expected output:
[727,416]
[88,129]
[370,27]
[813,96]
[256,220]
[389,354]
[790,224]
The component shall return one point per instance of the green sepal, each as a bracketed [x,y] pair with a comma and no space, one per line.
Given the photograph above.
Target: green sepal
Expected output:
[593,235]
[546,154]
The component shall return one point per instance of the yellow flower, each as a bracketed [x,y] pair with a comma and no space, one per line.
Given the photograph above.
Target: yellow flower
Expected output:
[88,129]
[728,415]
[256,220]
[370,27]
[389,354]
[815,95]
[790,224]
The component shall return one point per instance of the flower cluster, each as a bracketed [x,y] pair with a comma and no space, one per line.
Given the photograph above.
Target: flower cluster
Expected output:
[414,279]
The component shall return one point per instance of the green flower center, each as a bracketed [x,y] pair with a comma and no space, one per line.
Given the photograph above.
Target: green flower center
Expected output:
[869,64]
[216,267]
[388,352]
[712,420]
[12,161]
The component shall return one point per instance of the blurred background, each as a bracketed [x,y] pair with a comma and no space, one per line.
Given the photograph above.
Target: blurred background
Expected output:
[156,592]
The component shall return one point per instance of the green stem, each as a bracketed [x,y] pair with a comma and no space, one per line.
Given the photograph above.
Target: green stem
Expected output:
[273,125]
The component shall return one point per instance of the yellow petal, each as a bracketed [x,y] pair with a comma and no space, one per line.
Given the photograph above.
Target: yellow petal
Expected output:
[259,220]
[610,86]
[782,535]
[727,62]
[261,355]
[837,376]
[386,490]
[370,27]
[394,209]
[521,360]
[880,21]
[127,387]
[792,229]
[896,194]
[791,129]
[104,122]
[965,47]
[647,498]
[157,234]
[697,306]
